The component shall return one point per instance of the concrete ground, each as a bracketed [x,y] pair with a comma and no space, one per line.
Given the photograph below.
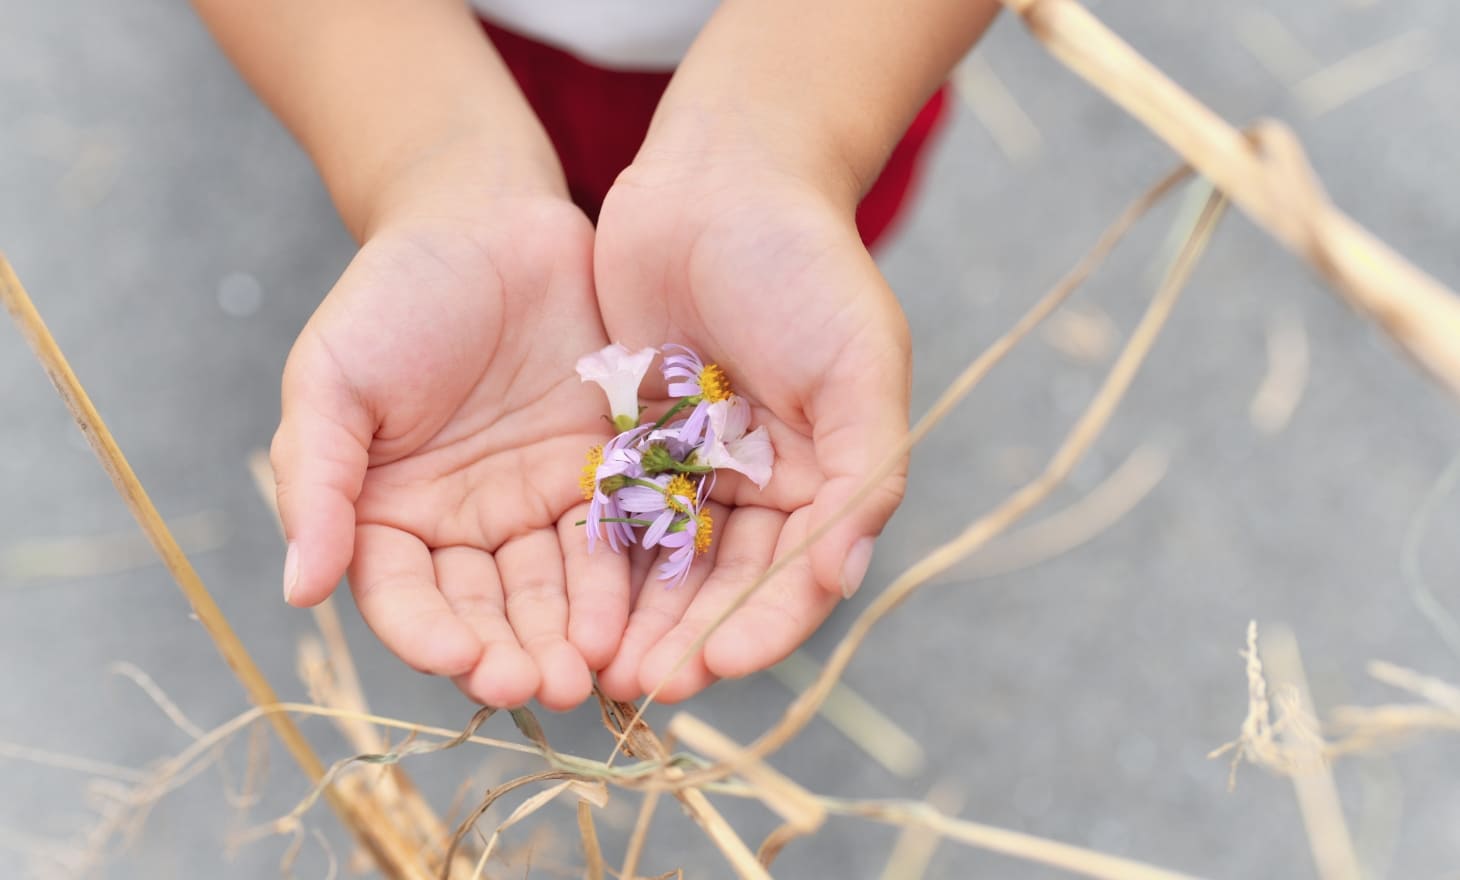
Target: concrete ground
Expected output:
[176,240]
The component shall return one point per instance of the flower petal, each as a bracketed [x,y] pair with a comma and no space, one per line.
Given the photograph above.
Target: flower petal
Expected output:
[751,455]
[619,372]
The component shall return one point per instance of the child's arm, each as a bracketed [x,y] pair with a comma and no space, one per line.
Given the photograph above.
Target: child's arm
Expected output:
[431,421]
[734,231]
[824,88]
[374,88]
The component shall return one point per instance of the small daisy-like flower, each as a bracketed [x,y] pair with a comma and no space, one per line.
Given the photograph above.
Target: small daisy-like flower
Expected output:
[689,537]
[689,377]
[613,464]
[728,446]
[664,498]
[619,372]
[618,534]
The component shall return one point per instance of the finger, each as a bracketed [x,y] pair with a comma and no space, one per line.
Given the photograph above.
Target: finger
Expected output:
[598,591]
[394,584]
[773,622]
[531,567]
[505,676]
[859,418]
[782,614]
[657,610]
[319,454]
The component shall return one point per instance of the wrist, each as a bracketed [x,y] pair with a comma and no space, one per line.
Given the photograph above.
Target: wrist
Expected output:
[705,139]
[458,169]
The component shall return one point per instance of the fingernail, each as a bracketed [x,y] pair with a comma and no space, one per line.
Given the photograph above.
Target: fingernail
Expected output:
[855,568]
[291,571]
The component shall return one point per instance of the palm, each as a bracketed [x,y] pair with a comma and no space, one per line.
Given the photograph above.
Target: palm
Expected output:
[774,286]
[457,341]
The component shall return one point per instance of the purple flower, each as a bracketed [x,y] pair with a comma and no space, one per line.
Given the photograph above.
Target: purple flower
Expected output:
[667,498]
[615,460]
[691,378]
[687,537]
[618,534]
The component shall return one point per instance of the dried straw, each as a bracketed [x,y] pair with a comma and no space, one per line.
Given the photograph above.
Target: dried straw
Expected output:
[1265,173]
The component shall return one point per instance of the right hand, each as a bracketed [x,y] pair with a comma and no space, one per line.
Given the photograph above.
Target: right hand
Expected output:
[433,430]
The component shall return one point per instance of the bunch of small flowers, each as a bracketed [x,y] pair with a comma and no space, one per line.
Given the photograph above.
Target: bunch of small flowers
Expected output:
[656,476]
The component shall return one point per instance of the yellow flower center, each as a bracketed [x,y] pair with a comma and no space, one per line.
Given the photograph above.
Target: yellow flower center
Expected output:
[704,531]
[589,481]
[714,384]
[679,487]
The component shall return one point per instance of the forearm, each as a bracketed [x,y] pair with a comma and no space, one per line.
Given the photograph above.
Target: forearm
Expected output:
[374,88]
[826,87]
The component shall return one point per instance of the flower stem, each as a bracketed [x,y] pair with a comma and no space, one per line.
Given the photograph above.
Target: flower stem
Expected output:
[617,519]
[674,410]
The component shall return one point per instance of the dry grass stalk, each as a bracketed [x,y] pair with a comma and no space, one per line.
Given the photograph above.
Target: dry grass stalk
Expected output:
[333,680]
[1076,524]
[1328,834]
[999,111]
[1015,844]
[801,812]
[592,853]
[915,846]
[641,741]
[1281,734]
[1327,89]
[1409,561]
[1265,173]
[383,840]
[1086,335]
[1282,386]
[634,852]
[1369,729]
[978,533]
[78,556]
[856,718]
[955,392]
[75,763]
[327,671]
[1274,46]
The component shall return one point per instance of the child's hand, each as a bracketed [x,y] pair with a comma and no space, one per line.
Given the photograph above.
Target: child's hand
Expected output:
[759,271]
[433,430]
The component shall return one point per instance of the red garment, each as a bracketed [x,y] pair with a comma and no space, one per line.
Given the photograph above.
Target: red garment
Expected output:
[597,118]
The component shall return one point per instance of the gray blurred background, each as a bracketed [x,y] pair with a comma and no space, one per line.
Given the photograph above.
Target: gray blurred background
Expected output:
[176,240]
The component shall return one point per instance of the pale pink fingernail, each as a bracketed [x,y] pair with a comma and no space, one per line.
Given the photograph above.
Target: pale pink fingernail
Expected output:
[855,567]
[291,571]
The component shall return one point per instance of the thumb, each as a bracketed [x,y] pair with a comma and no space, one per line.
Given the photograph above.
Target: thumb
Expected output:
[860,418]
[319,454]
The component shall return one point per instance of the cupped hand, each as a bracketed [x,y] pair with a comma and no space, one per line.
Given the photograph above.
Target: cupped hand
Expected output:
[433,430]
[764,274]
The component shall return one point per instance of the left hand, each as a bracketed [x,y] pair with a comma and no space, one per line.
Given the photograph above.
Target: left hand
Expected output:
[762,272]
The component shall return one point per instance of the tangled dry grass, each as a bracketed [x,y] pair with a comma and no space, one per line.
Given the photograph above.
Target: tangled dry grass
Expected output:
[1262,171]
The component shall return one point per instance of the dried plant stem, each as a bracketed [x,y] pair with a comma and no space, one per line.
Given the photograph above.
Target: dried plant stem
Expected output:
[1080,522]
[1076,860]
[1079,439]
[1266,174]
[645,744]
[1328,834]
[959,389]
[395,794]
[380,838]
[915,846]
[76,763]
[635,850]
[592,853]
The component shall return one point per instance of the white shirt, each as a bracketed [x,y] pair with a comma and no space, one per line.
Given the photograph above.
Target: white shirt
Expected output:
[626,34]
